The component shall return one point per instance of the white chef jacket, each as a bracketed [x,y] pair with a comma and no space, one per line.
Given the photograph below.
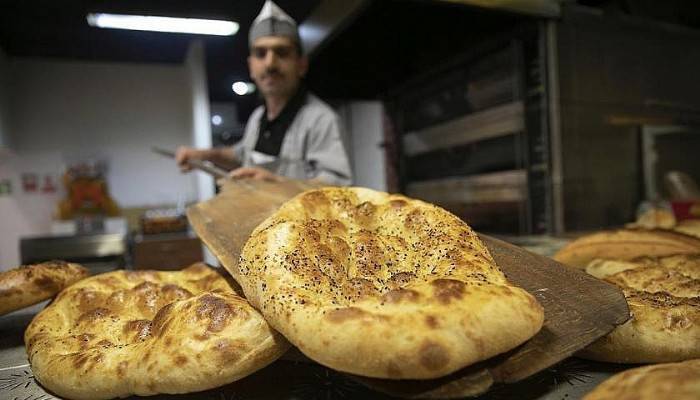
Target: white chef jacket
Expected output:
[312,146]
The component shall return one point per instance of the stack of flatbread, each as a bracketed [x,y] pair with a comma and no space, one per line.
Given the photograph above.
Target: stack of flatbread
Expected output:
[664,298]
[659,273]
[361,281]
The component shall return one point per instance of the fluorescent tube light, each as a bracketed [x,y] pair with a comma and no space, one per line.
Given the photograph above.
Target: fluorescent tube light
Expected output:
[163,24]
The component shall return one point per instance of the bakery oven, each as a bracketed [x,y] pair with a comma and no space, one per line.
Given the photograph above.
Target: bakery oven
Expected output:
[473,136]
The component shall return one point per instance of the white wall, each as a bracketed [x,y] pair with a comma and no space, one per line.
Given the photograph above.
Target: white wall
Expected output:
[68,111]
[25,214]
[364,123]
[4,99]
[195,65]
[109,111]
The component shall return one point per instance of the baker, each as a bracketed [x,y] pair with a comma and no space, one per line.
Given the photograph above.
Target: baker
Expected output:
[293,134]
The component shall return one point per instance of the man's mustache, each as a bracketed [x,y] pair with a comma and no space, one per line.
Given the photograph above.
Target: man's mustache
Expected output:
[271,72]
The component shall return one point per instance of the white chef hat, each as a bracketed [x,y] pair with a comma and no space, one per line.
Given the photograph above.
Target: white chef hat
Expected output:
[273,21]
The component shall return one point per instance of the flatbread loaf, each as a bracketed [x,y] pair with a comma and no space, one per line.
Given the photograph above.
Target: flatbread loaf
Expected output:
[689,227]
[664,298]
[148,332]
[382,285]
[687,264]
[677,381]
[655,218]
[626,244]
[31,284]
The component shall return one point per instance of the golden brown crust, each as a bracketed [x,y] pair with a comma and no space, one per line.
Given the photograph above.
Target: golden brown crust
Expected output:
[655,218]
[655,279]
[148,332]
[689,227]
[664,299]
[31,284]
[663,328]
[686,264]
[602,268]
[625,245]
[677,381]
[382,285]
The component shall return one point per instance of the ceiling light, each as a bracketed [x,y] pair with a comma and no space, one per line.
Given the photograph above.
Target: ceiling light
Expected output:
[243,88]
[163,24]
[217,120]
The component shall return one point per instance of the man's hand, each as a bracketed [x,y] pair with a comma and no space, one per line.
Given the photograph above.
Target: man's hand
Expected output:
[255,173]
[183,154]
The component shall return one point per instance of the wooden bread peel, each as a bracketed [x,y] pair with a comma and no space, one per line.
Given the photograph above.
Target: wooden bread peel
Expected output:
[578,308]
